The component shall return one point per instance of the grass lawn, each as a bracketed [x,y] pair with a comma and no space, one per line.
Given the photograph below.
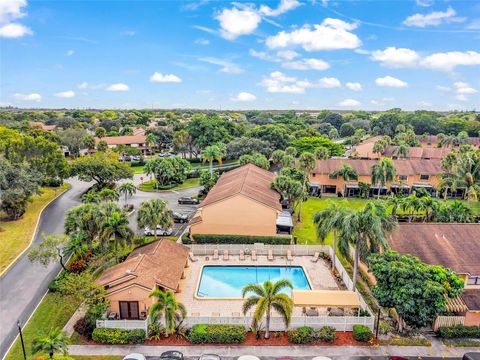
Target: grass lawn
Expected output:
[148,185]
[54,311]
[16,235]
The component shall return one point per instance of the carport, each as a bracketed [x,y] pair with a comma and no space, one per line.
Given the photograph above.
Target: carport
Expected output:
[312,299]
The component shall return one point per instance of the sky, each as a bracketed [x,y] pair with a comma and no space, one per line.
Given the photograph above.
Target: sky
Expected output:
[278,54]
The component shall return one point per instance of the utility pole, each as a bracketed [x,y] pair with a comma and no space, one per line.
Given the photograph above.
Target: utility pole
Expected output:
[21,339]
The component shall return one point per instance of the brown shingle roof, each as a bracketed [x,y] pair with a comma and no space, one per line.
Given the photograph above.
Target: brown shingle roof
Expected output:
[159,263]
[456,246]
[363,167]
[433,139]
[123,140]
[248,180]
[419,152]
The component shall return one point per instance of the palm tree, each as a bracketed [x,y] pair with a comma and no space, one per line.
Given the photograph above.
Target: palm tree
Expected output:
[330,219]
[108,195]
[116,227]
[364,189]
[154,213]
[382,173]
[167,307]
[306,163]
[82,221]
[264,298]
[128,189]
[365,229]
[395,202]
[91,197]
[429,205]
[322,153]
[151,140]
[56,341]
[401,151]
[211,153]
[411,204]
[347,173]
[379,147]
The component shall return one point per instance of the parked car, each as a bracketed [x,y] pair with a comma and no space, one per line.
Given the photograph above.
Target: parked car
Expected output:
[160,231]
[187,200]
[172,355]
[210,357]
[180,218]
[471,356]
[134,356]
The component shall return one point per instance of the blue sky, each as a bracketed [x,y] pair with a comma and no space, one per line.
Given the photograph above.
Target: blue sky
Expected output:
[279,54]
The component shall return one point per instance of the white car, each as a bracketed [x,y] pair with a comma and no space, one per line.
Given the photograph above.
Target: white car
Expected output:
[135,356]
[160,231]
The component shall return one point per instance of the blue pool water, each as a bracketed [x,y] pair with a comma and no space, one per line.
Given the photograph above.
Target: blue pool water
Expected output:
[228,281]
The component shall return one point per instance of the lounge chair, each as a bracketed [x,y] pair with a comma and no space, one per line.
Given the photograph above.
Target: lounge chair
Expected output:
[315,258]
[215,254]
[192,257]
[225,255]
[289,255]
[254,255]
[242,255]
[270,255]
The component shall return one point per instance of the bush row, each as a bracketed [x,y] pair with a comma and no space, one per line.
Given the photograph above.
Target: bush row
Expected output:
[362,333]
[239,239]
[118,336]
[226,334]
[306,334]
[459,331]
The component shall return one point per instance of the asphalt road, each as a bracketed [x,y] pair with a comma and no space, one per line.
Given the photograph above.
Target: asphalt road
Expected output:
[24,284]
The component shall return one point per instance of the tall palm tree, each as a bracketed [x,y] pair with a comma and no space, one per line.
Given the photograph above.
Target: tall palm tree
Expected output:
[56,341]
[167,307]
[322,153]
[128,189]
[411,204]
[82,221]
[154,213]
[306,164]
[401,151]
[151,140]
[365,229]
[264,298]
[383,173]
[347,173]
[330,219]
[211,153]
[428,205]
[395,202]
[108,195]
[379,147]
[116,227]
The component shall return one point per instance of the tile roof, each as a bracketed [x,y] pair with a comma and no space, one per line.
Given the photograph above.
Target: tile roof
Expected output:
[456,246]
[159,263]
[123,140]
[248,180]
[363,167]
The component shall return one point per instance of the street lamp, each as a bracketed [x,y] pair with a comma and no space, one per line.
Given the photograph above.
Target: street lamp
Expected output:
[21,339]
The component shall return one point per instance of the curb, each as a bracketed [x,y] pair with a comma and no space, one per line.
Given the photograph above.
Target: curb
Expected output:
[4,271]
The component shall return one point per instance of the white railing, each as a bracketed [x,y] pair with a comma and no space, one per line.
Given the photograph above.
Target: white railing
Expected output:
[260,249]
[123,324]
[441,321]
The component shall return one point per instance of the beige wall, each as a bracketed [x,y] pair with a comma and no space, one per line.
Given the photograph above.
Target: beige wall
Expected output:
[237,215]
[134,293]
[472,318]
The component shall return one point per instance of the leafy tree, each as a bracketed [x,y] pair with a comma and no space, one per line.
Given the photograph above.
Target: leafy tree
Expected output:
[401,151]
[416,290]
[116,227]
[287,161]
[100,132]
[127,189]
[277,135]
[208,181]
[291,151]
[154,213]
[247,146]
[50,249]
[101,167]
[386,123]
[333,134]
[89,142]
[289,183]
[102,146]
[168,170]
[346,130]
[210,130]
[256,159]
[211,153]
[56,341]
[332,118]
[277,156]
[322,153]
[267,297]
[310,144]
[73,139]
[182,142]
[169,308]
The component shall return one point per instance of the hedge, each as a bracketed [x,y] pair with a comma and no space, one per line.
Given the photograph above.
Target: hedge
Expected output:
[225,334]
[327,333]
[118,336]
[459,331]
[306,334]
[240,239]
[362,333]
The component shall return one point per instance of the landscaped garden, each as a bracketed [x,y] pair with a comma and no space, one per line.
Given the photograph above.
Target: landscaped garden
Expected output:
[150,185]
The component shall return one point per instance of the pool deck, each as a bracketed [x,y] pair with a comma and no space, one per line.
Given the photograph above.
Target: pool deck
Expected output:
[317,273]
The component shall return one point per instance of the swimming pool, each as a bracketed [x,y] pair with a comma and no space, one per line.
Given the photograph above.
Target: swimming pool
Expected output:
[228,281]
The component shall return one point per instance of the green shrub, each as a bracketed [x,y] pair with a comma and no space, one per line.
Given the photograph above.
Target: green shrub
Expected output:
[301,335]
[327,333]
[118,336]
[225,334]
[240,239]
[362,333]
[460,331]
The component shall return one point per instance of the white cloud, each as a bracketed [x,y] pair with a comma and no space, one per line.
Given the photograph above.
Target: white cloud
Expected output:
[331,34]
[306,64]
[349,103]
[432,19]
[396,57]
[278,82]
[354,86]
[65,94]
[474,25]
[443,88]
[83,85]
[449,60]
[244,97]
[424,103]
[283,7]
[28,97]
[424,3]
[128,33]
[205,29]
[167,78]
[464,88]
[69,53]
[261,55]
[461,97]
[226,66]
[382,101]
[118,87]
[14,30]
[389,81]
[236,22]
[287,54]
[202,41]
[329,82]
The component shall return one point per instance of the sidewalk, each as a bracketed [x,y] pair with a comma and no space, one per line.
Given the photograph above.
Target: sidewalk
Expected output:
[437,349]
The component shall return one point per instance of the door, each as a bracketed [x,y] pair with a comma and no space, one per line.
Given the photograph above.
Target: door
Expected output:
[129,310]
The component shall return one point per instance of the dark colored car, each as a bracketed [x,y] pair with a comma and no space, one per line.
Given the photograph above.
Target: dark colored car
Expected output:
[172,355]
[186,200]
[180,218]
[471,356]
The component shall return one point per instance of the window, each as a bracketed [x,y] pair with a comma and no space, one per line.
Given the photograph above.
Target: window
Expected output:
[128,310]
[402,177]
[332,177]
[424,177]
[313,174]
[473,280]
